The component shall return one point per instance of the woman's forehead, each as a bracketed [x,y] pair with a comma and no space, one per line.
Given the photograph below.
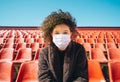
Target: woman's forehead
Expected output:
[61,27]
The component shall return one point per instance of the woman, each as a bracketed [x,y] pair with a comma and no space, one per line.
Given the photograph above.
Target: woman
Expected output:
[62,60]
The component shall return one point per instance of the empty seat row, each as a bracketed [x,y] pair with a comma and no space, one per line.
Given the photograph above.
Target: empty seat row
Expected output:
[23,54]
[21,40]
[97,40]
[28,72]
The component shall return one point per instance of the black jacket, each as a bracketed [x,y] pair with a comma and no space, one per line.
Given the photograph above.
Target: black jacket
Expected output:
[75,67]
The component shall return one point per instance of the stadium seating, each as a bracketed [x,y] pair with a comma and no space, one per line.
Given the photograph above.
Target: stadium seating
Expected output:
[23,45]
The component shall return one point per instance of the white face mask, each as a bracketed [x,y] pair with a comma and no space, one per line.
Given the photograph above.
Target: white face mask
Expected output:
[61,40]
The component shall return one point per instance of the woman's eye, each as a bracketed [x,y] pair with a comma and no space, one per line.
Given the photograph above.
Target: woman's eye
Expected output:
[65,33]
[56,33]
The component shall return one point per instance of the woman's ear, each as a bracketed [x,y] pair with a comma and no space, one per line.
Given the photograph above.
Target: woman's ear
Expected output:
[51,34]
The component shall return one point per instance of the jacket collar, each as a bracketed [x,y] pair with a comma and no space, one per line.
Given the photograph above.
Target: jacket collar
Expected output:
[54,61]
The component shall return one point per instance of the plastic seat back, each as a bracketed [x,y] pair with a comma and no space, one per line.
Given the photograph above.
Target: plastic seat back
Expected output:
[6,71]
[98,55]
[6,54]
[24,54]
[95,72]
[114,71]
[114,54]
[28,72]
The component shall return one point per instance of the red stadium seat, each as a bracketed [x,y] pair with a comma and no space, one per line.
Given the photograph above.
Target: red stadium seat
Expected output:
[24,54]
[111,45]
[90,40]
[34,46]
[8,45]
[114,71]
[29,40]
[100,40]
[9,40]
[98,55]
[117,40]
[20,45]
[6,71]
[80,40]
[114,54]
[41,42]
[87,46]
[28,72]
[6,54]
[101,35]
[110,40]
[19,40]
[100,45]
[95,72]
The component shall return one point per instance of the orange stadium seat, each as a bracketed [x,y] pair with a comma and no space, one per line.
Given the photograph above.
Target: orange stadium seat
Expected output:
[6,71]
[40,40]
[111,45]
[8,45]
[108,35]
[114,71]
[110,40]
[114,54]
[84,36]
[100,45]
[100,40]
[29,40]
[34,46]
[19,40]
[80,40]
[6,54]
[87,46]
[9,40]
[101,35]
[27,36]
[90,40]
[20,45]
[24,54]
[95,72]
[98,55]
[117,40]
[28,72]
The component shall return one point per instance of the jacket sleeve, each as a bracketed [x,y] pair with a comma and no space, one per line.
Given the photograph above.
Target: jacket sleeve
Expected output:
[81,70]
[44,73]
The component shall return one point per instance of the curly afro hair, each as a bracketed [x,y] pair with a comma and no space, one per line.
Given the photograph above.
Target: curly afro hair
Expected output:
[56,18]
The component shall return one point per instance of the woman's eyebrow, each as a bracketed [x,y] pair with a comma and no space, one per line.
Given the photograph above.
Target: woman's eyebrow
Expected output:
[65,30]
